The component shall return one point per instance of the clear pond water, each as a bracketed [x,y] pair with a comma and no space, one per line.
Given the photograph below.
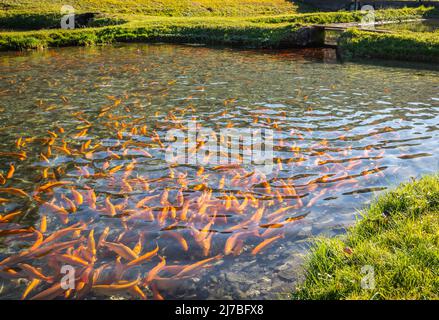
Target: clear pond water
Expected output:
[415,26]
[86,183]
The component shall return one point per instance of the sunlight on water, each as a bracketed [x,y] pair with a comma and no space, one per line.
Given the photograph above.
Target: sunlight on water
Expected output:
[85,182]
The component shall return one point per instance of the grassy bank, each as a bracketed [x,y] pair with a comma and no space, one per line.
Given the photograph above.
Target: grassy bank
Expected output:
[349,16]
[408,46]
[157,7]
[245,23]
[275,31]
[226,32]
[398,237]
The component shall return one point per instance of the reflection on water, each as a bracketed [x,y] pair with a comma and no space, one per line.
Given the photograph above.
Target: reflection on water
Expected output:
[415,26]
[86,184]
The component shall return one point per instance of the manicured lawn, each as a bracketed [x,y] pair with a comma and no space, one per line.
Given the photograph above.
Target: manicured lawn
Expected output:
[398,237]
[407,46]
[260,31]
[159,7]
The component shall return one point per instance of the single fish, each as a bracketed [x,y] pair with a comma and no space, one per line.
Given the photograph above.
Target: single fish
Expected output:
[147,256]
[264,244]
[11,172]
[188,269]
[15,191]
[33,272]
[31,286]
[154,271]
[122,250]
[111,289]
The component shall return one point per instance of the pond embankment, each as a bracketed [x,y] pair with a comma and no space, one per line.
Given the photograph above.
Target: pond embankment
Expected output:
[392,253]
[281,31]
[355,44]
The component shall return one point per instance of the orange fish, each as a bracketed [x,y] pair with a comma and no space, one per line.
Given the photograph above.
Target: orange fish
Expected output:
[138,247]
[111,289]
[136,291]
[103,237]
[20,155]
[184,211]
[62,233]
[145,200]
[9,217]
[43,224]
[230,243]
[37,242]
[32,285]
[91,244]
[33,272]
[280,211]
[79,199]
[55,291]
[180,239]
[154,271]
[74,260]
[14,191]
[11,171]
[60,211]
[264,243]
[52,185]
[187,270]
[110,207]
[121,250]
[143,258]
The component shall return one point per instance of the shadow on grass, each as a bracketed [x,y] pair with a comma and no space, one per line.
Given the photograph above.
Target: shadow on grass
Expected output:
[35,21]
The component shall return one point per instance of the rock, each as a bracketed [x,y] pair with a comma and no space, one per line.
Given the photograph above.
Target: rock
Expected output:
[271,257]
[233,277]
[239,294]
[253,293]
[305,231]
[265,281]
[283,267]
[288,275]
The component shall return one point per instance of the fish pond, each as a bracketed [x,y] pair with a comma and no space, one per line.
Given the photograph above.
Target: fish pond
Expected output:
[91,207]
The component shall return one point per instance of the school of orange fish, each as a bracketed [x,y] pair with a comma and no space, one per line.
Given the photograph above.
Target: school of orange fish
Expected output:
[113,221]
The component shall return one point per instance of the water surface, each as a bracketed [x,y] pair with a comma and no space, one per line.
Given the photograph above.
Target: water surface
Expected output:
[96,119]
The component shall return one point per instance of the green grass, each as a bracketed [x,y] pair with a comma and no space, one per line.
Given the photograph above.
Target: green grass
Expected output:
[158,7]
[36,21]
[177,30]
[407,46]
[239,31]
[246,23]
[349,16]
[398,236]
[404,45]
